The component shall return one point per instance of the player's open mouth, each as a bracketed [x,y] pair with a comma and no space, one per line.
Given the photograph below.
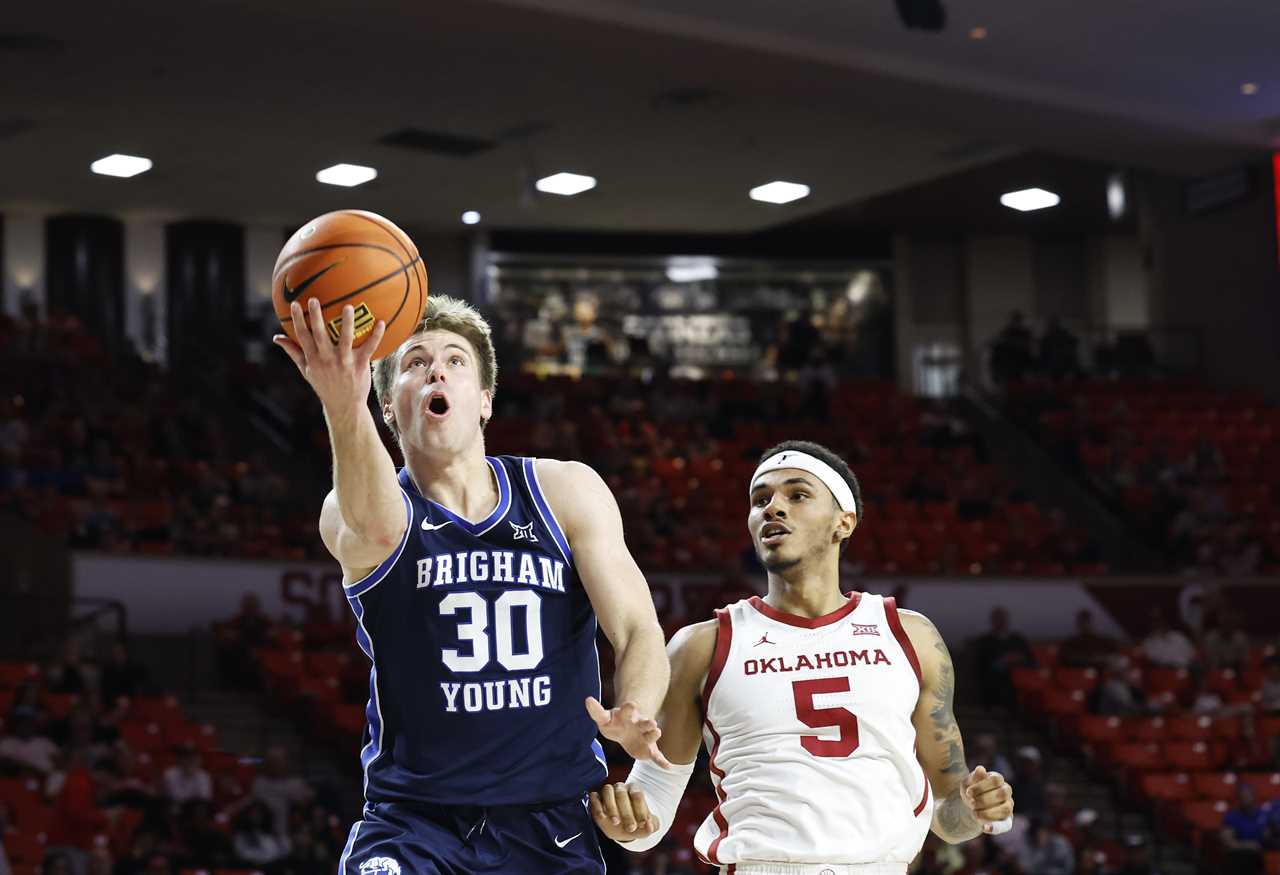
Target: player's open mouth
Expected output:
[773,533]
[438,406]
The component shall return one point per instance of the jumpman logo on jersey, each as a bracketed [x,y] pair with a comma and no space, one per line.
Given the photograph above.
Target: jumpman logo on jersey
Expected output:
[764,639]
[524,533]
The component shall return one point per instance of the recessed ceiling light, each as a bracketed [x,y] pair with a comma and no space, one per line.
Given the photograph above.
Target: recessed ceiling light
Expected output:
[1117,201]
[122,166]
[977,33]
[1030,199]
[346,175]
[779,192]
[566,184]
[471,217]
[1249,88]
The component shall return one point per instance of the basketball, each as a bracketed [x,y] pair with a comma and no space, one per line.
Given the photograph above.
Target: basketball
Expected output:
[358,258]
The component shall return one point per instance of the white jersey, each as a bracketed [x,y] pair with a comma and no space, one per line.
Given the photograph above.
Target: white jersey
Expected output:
[808,722]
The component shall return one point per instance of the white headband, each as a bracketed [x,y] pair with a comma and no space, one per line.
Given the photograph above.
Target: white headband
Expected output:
[829,476]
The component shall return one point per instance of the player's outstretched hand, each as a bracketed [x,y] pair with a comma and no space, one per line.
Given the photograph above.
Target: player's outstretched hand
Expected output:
[338,372]
[637,734]
[990,798]
[622,813]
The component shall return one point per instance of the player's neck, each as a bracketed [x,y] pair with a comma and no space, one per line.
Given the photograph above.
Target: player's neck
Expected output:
[806,592]
[462,483]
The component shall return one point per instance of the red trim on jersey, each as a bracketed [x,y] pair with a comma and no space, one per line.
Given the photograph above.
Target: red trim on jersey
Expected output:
[838,614]
[924,800]
[724,638]
[895,623]
[721,798]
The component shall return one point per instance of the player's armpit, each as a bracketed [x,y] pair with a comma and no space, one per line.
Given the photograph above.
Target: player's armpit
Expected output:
[690,651]
[358,556]
[940,745]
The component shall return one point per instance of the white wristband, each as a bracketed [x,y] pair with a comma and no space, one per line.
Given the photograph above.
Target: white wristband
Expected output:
[999,827]
[662,791]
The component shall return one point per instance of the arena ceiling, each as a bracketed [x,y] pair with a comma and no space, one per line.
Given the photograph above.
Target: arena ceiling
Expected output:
[677,106]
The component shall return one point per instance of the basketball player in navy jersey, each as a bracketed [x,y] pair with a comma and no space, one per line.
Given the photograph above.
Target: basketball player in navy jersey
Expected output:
[476,583]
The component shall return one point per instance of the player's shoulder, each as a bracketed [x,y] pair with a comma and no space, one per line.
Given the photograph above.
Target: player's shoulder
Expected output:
[568,472]
[574,490]
[690,652]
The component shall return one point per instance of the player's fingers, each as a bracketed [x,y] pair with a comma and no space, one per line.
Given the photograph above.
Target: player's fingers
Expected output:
[609,804]
[993,797]
[370,346]
[640,806]
[301,331]
[658,757]
[625,812]
[292,350]
[315,322]
[995,812]
[348,333]
[599,713]
[597,811]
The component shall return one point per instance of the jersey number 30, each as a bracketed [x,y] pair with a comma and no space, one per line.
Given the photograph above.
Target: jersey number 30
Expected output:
[475,630]
[824,718]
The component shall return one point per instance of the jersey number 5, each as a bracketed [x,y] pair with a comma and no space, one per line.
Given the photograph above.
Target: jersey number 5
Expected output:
[475,630]
[823,718]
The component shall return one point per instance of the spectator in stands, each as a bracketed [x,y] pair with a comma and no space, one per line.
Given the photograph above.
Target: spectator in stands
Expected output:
[1059,351]
[985,751]
[121,675]
[1045,852]
[25,750]
[1226,645]
[1028,767]
[203,842]
[999,651]
[255,839]
[1011,351]
[1115,695]
[100,860]
[1247,830]
[1165,646]
[1086,648]
[1094,852]
[280,788]
[68,673]
[187,779]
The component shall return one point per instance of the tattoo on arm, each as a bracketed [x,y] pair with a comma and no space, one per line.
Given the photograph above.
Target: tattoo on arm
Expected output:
[953,821]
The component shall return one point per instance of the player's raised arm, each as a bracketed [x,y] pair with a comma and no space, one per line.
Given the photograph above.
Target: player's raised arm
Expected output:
[967,803]
[364,517]
[620,596]
[640,811]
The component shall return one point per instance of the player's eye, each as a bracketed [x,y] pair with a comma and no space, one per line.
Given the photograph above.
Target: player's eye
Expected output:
[456,360]
[761,501]
[799,495]
[416,361]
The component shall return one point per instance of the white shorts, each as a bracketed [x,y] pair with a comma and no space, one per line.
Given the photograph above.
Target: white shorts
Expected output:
[814,869]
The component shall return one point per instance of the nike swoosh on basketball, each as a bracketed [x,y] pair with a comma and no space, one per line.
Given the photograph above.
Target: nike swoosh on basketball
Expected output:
[561,844]
[428,527]
[291,295]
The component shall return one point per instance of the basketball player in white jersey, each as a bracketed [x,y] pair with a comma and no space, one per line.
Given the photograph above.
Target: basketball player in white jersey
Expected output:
[828,718]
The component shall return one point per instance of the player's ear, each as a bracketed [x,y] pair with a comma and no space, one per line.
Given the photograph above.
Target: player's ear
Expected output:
[486,405]
[845,524]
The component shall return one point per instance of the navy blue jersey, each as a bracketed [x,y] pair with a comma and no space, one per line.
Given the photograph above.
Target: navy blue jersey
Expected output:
[482,641]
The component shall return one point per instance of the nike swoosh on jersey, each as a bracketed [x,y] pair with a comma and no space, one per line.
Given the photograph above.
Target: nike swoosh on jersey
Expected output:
[428,527]
[291,295]
[561,844]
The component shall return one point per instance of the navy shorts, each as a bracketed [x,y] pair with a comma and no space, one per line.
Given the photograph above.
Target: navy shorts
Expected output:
[396,838]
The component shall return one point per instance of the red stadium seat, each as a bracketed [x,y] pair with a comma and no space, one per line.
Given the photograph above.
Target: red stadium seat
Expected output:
[1075,678]
[1193,756]
[1167,786]
[1271,863]
[1149,729]
[1095,729]
[14,674]
[1190,728]
[1063,703]
[1137,757]
[1166,680]
[1205,815]
[1216,785]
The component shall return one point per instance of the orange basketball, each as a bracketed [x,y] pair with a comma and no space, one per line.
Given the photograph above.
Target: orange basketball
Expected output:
[357,258]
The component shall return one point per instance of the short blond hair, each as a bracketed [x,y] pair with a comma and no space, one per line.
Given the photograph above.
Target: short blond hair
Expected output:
[444,313]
